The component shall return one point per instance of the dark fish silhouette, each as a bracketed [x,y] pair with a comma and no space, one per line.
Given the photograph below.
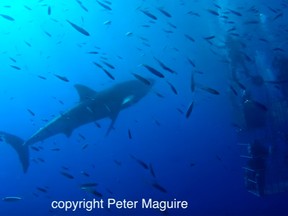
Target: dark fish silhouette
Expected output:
[104,5]
[142,79]
[159,187]
[140,162]
[147,13]
[67,175]
[63,78]
[49,10]
[164,12]
[213,12]
[129,134]
[31,112]
[189,110]
[79,29]
[172,88]
[154,71]
[108,74]
[7,17]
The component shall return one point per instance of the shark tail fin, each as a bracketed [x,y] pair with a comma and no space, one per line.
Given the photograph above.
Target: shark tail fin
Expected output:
[18,145]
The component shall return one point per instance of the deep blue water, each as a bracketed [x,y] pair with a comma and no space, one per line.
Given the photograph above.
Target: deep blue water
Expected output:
[194,158]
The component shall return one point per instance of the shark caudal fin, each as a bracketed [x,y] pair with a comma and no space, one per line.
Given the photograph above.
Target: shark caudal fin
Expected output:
[17,144]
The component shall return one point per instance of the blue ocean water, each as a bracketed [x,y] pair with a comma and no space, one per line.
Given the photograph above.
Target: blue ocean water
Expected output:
[157,148]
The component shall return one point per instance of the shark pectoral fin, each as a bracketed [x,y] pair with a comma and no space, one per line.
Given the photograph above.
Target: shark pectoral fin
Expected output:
[111,126]
[84,91]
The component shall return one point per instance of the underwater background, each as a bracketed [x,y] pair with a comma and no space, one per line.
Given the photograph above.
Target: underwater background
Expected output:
[179,141]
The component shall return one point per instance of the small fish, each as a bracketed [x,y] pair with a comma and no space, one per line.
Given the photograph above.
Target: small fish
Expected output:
[108,64]
[78,28]
[172,25]
[67,175]
[192,84]
[154,71]
[35,148]
[272,9]
[193,13]
[235,12]
[31,112]
[41,160]
[7,17]
[48,34]
[81,5]
[97,124]
[107,2]
[28,44]
[172,88]
[231,29]
[28,8]
[118,162]
[159,187]
[98,65]
[104,6]
[278,16]
[11,199]
[142,79]
[210,90]
[108,74]
[191,62]
[87,185]
[84,146]
[49,10]
[159,95]
[129,34]
[12,59]
[189,110]
[189,37]
[85,174]
[218,158]
[209,37]
[146,26]
[83,137]
[217,6]
[55,149]
[240,85]
[164,66]
[278,49]
[164,12]
[41,77]
[233,90]
[108,22]
[43,190]
[129,134]
[63,78]
[180,111]
[140,162]
[264,40]
[152,170]
[213,12]
[96,193]
[15,67]
[93,52]
[147,13]
[251,22]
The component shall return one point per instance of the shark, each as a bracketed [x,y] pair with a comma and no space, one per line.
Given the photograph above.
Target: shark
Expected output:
[92,106]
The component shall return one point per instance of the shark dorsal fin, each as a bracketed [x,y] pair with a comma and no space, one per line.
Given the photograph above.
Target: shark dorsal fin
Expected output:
[84,91]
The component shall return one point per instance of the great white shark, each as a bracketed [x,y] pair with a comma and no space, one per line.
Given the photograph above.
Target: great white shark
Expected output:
[91,107]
